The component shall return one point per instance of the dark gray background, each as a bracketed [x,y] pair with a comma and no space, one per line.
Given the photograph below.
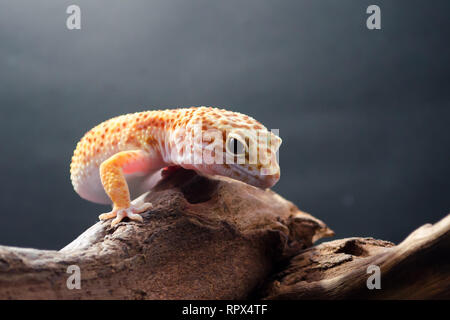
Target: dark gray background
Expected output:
[363,114]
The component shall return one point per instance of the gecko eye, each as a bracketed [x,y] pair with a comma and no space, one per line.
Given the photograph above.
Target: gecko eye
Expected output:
[236,147]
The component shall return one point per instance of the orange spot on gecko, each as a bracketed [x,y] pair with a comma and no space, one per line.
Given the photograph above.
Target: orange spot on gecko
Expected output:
[150,140]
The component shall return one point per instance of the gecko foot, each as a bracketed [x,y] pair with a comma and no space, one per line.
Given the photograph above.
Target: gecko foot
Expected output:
[132,212]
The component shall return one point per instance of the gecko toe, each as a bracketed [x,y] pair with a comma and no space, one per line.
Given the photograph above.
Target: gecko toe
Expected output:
[107,215]
[135,217]
[132,212]
[142,207]
[120,215]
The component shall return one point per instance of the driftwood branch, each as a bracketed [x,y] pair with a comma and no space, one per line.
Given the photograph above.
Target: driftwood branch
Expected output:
[204,239]
[222,239]
[417,268]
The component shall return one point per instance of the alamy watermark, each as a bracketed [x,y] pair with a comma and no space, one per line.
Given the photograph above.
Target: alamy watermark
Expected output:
[74,280]
[73,21]
[197,145]
[373,22]
[374,281]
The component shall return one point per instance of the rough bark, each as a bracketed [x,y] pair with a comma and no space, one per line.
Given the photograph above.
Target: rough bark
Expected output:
[222,239]
[203,239]
[417,268]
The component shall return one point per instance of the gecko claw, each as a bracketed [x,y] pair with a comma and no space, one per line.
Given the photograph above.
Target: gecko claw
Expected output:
[132,212]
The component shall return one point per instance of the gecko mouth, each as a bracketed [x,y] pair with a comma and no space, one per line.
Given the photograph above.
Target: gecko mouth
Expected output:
[247,177]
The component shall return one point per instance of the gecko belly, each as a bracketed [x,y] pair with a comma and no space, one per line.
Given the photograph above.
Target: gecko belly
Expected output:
[91,187]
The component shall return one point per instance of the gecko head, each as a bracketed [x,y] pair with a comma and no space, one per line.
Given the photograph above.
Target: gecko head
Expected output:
[251,156]
[236,146]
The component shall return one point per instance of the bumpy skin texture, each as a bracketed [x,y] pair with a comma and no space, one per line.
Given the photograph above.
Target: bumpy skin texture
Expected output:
[120,155]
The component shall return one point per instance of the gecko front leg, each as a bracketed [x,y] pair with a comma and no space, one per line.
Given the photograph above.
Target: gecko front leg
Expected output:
[113,180]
